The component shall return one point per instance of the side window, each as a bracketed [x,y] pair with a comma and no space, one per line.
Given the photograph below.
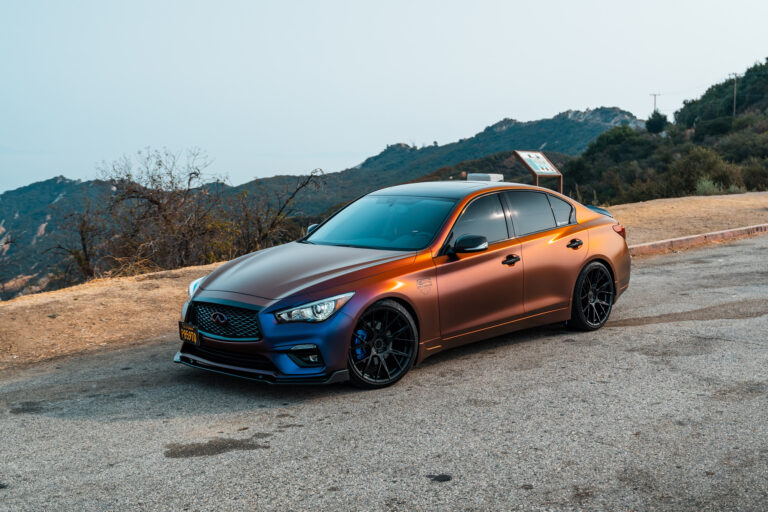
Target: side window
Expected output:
[563,211]
[484,217]
[532,211]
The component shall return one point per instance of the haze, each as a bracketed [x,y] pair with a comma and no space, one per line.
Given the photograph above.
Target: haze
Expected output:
[284,87]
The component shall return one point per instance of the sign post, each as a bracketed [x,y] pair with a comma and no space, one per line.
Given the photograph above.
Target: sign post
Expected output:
[540,167]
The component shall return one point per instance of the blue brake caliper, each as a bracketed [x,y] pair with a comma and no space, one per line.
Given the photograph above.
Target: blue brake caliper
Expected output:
[358,344]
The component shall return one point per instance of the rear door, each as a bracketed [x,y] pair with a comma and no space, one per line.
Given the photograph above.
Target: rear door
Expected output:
[478,290]
[552,247]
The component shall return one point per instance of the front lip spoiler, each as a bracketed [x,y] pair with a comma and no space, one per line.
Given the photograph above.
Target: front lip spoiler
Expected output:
[257,375]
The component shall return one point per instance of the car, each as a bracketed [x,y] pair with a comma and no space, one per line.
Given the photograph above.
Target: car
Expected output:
[401,274]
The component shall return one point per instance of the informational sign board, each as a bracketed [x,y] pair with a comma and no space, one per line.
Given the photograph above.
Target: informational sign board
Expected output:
[540,166]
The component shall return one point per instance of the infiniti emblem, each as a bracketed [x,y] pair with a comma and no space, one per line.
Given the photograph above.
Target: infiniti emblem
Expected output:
[219,318]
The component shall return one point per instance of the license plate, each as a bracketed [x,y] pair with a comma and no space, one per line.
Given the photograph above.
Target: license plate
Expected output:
[188,333]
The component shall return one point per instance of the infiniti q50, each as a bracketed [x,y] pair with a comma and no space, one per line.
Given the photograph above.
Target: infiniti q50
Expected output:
[401,274]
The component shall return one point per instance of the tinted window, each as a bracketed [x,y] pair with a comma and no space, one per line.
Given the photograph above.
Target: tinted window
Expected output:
[532,211]
[385,222]
[484,217]
[563,211]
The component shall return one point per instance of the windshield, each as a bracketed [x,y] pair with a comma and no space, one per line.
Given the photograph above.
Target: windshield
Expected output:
[403,223]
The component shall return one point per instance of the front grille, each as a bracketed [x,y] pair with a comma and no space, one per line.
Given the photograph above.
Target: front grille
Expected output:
[241,323]
[215,355]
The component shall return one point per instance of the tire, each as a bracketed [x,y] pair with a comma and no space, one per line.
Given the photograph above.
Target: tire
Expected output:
[593,298]
[383,346]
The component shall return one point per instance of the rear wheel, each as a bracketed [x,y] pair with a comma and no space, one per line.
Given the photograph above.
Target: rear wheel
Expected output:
[592,297]
[383,345]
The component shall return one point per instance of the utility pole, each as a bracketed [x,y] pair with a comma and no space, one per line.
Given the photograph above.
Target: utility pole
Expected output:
[735,77]
[655,94]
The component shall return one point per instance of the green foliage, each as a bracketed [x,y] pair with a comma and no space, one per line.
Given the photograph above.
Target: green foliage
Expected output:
[656,122]
[717,101]
[755,174]
[744,144]
[710,127]
[707,187]
[684,174]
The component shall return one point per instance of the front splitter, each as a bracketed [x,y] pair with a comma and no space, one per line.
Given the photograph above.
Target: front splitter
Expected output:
[258,375]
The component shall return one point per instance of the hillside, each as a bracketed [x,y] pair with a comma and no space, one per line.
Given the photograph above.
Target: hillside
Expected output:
[568,133]
[30,222]
[32,217]
[83,317]
[707,150]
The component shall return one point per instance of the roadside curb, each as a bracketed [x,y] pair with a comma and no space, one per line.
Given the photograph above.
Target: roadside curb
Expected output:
[685,242]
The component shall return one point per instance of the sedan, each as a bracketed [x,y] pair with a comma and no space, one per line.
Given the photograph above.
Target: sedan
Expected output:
[401,274]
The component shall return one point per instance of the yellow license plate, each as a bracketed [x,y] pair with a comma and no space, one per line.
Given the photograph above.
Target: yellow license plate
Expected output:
[188,333]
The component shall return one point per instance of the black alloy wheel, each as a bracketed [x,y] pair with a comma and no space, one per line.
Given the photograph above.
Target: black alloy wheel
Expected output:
[383,345]
[592,297]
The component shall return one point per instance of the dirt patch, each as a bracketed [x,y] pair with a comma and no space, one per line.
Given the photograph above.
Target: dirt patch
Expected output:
[214,446]
[750,308]
[695,346]
[93,315]
[742,391]
[662,219]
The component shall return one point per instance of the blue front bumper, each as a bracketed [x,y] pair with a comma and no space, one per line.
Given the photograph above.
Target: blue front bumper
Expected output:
[269,359]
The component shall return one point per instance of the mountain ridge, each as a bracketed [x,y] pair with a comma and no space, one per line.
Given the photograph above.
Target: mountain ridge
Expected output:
[30,222]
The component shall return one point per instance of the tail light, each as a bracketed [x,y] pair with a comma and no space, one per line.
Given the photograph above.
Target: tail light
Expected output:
[620,230]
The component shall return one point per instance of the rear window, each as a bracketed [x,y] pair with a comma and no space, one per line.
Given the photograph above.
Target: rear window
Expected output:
[532,211]
[564,213]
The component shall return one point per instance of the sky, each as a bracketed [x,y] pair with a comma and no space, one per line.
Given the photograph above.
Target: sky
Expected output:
[284,87]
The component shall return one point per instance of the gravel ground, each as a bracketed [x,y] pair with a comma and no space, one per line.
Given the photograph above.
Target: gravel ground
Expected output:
[665,408]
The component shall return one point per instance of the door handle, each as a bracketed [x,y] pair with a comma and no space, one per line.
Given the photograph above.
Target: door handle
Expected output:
[511,260]
[575,244]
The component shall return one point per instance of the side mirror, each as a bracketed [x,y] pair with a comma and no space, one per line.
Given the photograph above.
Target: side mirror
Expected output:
[470,243]
[311,228]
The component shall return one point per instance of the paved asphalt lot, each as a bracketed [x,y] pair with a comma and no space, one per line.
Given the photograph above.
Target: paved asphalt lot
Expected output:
[665,408]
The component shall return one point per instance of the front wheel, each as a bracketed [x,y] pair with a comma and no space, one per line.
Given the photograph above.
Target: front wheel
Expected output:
[592,297]
[383,345]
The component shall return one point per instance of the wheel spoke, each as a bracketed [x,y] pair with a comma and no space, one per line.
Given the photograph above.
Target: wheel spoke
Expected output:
[406,326]
[386,368]
[367,364]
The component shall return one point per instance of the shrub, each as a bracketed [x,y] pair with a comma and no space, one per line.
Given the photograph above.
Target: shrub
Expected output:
[717,126]
[707,187]
[755,174]
[684,175]
[727,176]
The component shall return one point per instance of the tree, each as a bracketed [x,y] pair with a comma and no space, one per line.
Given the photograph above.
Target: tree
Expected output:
[166,212]
[259,222]
[162,210]
[656,122]
[80,240]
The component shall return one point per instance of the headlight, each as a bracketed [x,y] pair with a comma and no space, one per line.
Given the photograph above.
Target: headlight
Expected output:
[193,286]
[314,311]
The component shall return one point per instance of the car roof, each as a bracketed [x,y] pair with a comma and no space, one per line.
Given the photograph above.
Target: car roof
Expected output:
[447,189]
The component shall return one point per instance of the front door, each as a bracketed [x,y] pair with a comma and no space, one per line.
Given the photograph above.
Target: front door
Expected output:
[482,289]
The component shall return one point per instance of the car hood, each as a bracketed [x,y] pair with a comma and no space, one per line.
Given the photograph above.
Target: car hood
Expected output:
[295,267]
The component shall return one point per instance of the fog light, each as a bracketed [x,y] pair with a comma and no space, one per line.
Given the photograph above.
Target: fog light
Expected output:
[306,355]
